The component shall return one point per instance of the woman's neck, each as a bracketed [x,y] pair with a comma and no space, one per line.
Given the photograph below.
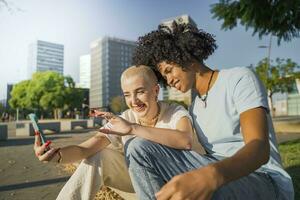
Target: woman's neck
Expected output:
[153,116]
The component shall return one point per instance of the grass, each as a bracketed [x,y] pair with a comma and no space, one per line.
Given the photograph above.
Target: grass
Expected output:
[290,154]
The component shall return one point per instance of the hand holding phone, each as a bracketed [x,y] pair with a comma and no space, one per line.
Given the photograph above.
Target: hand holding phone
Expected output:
[37,129]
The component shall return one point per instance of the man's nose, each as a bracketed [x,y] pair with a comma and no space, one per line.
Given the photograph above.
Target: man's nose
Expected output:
[170,81]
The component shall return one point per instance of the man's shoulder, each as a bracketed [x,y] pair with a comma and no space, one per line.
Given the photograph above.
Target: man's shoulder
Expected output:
[233,75]
[237,71]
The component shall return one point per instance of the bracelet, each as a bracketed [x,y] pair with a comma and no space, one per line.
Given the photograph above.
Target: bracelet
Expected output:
[60,156]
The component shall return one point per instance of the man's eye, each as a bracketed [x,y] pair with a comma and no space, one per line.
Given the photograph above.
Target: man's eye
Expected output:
[168,70]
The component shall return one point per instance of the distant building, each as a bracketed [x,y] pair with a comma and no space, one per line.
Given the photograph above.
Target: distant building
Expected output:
[85,71]
[45,56]
[109,58]
[172,93]
[183,19]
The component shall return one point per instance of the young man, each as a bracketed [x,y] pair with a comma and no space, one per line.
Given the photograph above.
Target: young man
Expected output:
[231,117]
[146,119]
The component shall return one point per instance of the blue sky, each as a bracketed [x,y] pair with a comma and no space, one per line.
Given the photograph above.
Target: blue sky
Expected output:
[76,23]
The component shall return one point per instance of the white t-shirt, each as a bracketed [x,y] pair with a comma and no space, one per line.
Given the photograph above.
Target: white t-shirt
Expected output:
[169,116]
[218,127]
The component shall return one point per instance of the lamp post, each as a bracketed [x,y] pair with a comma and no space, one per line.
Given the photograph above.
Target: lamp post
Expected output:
[269,65]
[269,50]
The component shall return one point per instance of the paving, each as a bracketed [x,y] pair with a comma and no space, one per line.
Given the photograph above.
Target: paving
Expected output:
[23,177]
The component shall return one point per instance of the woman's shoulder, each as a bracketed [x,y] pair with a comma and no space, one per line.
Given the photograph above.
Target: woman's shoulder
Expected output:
[170,106]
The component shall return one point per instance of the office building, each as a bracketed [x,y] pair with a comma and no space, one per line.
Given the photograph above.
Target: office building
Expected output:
[45,56]
[85,71]
[109,58]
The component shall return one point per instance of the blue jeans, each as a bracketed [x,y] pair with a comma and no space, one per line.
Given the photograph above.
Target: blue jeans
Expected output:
[152,165]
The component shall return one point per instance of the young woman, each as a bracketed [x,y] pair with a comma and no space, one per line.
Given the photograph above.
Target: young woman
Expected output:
[231,117]
[145,120]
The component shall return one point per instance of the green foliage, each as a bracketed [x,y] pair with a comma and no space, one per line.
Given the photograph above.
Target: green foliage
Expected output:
[19,95]
[279,77]
[1,108]
[117,104]
[46,91]
[290,152]
[280,18]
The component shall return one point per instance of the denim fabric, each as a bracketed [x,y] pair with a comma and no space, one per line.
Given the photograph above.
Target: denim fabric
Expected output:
[152,165]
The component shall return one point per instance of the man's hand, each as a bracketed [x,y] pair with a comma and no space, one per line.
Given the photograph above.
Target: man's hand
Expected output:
[119,126]
[194,185]
[44,152]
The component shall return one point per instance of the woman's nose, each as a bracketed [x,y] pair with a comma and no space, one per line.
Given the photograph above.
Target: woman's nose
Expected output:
[134,99]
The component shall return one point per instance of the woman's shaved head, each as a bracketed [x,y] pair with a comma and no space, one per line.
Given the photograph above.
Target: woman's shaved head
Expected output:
[142,71]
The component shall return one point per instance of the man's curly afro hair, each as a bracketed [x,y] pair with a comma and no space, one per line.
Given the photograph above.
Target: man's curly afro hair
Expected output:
[180,44]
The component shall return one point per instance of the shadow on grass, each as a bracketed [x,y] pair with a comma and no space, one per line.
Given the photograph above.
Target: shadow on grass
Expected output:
[290,152]
[294,172]
[33,184]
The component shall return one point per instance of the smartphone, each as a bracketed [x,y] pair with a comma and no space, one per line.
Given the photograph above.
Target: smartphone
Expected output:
[34,121]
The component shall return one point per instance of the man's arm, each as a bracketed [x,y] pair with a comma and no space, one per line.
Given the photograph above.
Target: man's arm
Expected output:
[254,154]
[201,183]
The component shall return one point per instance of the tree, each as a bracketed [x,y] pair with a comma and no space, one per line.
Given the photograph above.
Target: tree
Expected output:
[279,77]
[19,95]
[73,96]
[2,109]
[117,104]
[46,91]
[9,6]
[280,18]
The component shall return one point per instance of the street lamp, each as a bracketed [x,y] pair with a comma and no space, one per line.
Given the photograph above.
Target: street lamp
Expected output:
[269,65]
[269,50]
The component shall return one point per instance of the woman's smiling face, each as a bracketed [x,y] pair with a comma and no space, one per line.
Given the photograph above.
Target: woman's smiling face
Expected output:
[140,95]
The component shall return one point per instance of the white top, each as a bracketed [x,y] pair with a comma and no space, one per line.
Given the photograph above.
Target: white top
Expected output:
[168,118]
[218,128]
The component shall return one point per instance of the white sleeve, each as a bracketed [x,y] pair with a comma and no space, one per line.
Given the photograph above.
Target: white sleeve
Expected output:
[249,92]
[177,112]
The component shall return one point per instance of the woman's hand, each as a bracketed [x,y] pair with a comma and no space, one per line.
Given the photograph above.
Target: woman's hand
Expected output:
[118,125]
[44,152]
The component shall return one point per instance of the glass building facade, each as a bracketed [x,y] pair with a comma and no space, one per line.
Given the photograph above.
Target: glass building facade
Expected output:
[109,58]
[45,56]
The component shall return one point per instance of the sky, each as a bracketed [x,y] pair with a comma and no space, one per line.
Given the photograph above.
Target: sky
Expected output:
[76,23]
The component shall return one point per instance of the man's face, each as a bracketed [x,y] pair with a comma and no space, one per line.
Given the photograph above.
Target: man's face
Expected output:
[140,95]
[176,77]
